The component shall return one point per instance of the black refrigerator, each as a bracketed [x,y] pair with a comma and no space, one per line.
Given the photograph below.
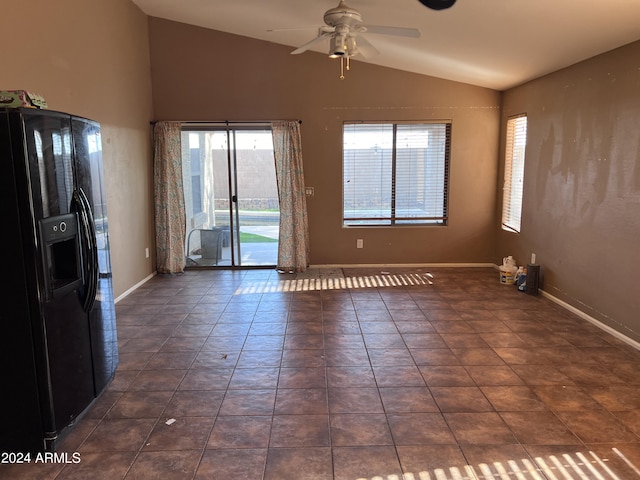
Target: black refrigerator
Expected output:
[58,345]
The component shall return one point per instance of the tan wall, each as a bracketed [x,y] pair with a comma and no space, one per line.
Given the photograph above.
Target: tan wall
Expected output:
[92,59]
[581,212]
[200,74]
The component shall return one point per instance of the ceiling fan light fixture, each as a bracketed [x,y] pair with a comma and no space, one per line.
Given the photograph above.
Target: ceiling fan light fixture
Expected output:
[337,46]
[352,48]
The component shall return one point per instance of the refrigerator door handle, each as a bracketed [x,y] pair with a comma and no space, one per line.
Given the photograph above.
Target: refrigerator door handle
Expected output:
[89,249]
[93,249]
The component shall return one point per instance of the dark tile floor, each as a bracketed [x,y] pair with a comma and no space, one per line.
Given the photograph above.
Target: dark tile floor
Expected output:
[420,374]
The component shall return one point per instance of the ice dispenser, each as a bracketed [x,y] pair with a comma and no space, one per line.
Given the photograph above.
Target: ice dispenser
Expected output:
[61,254]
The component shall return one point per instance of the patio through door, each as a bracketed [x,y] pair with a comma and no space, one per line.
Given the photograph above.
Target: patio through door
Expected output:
[231,196]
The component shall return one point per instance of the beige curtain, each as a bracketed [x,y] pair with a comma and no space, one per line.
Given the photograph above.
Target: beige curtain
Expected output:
[293,246]
[169,198]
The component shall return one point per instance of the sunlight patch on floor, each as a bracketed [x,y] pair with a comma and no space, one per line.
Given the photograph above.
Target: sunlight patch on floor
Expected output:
[304,283]
[577,466]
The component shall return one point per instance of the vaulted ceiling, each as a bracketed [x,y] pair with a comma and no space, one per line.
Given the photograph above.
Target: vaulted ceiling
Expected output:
[491,43]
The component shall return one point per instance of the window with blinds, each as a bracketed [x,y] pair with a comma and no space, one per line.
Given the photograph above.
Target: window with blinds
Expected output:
[395,173]
[514,173]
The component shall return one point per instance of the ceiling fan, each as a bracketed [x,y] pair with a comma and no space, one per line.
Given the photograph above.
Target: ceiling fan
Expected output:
[344,30]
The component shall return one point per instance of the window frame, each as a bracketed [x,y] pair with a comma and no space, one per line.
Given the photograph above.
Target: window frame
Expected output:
[394,220]
[195,175]
[514,171]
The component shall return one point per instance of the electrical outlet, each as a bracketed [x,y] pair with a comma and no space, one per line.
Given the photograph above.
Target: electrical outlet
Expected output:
[309,191]
[359,243]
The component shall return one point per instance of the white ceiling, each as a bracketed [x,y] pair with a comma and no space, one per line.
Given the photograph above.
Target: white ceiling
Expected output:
[492,43]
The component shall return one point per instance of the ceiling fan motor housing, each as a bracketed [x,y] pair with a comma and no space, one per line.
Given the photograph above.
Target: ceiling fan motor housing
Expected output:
[342,15]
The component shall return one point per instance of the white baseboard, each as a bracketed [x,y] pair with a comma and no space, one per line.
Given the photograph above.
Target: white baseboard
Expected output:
[612,331]
[135,287]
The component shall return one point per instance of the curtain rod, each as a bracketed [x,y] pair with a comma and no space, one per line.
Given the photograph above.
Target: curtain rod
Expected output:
[222,122]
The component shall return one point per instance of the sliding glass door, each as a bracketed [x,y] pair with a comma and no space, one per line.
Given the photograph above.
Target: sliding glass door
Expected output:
[231,196]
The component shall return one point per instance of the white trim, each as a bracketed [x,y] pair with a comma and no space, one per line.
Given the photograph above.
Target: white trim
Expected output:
[612,331]
[405,265]
[135,287]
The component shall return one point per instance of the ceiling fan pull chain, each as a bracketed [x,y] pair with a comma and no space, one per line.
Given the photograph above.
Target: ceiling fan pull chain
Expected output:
[341,68]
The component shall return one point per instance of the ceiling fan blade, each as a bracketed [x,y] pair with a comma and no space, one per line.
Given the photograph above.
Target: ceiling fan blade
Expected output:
[397,31]
[321,29]
[365,48]
[311,43]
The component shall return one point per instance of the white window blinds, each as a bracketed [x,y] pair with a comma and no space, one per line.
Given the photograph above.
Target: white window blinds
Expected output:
[396,174]
[514,173]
